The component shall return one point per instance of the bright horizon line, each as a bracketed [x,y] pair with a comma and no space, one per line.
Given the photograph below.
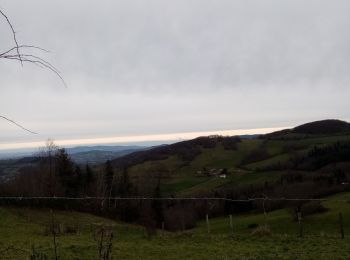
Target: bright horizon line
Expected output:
[138,138]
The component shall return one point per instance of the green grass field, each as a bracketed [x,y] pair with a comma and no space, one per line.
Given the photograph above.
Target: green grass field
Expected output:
[22,228]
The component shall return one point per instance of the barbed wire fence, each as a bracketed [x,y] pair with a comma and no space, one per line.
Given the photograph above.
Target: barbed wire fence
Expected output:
[172,198]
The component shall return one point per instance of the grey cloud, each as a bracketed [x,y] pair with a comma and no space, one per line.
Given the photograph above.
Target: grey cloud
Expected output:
[213,61]
[202,44]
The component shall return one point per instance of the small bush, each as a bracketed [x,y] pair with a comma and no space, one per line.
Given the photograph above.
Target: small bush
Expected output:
[184,234]
[180,217]
[149,232]
[253,225]
[36,255]
[262,231]
[309,208]
[70,230]
[60,229]
[313,207]
[258,154]
[52,229]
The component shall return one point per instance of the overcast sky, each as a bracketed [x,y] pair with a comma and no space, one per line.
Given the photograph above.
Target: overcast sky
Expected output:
[137,67]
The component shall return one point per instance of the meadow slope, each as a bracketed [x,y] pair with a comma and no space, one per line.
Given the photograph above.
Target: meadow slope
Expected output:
[21,229]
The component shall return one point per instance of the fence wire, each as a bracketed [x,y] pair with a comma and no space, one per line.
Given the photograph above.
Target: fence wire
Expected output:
[174,198]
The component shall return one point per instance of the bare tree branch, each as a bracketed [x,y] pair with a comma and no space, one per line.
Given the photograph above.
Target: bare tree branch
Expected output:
[26,57]
[20,126]
[36,60]
[15,53]
[21,47]
[13,33]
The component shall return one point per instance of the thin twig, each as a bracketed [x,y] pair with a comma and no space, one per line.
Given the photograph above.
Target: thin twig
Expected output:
[15,123]
[36,62]
[13,33]
[30,58]
[23,47]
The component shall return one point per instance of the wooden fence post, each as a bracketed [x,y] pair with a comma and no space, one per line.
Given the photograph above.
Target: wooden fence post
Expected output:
[341,226]
[265,214]
[300,224]
[208,224]
[231,224]
[53,231]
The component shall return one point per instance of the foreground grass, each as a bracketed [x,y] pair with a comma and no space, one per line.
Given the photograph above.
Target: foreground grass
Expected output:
[20,229]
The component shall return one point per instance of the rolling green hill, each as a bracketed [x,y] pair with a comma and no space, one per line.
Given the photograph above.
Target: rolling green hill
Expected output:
[191,167]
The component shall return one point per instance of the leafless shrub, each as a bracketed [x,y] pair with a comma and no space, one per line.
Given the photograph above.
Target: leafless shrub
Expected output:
[253,225]
[262,231]
[37,255]
[104,236]
[149,222]
[54,235]
[180,218]
[70,230]
[308,208]
[185,234]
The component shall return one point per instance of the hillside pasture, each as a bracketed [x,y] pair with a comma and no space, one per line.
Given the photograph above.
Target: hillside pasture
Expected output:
[22,228]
